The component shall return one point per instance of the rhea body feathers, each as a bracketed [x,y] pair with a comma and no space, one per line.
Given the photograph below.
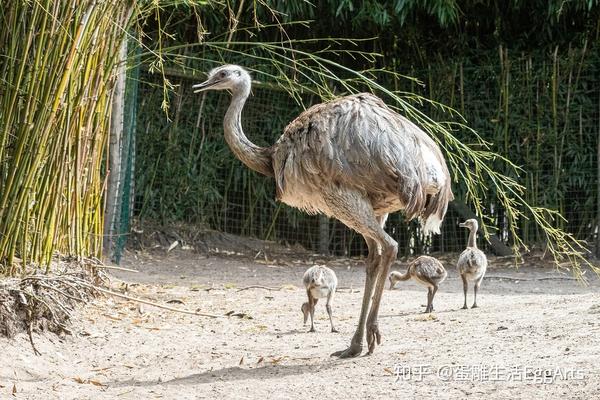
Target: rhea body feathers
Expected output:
[358,142]
[427,271]
[472,262]
[320,282]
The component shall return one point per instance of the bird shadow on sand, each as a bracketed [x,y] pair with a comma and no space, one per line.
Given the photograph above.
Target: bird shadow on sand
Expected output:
[421,313]
[235,373]
[295,331]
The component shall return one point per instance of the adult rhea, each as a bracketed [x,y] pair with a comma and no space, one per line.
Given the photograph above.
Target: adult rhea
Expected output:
[353,159]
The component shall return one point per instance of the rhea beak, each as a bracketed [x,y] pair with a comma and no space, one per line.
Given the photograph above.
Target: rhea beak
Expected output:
[462,225]
[200,87]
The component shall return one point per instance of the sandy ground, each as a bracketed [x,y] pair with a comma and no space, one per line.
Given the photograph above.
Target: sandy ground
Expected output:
[532,338]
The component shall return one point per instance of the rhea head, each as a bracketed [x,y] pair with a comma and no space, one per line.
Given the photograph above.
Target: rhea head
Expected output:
[231,77]
[472,224]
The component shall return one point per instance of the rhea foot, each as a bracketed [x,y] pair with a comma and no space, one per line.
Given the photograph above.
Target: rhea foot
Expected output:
[373,336]
[353,351]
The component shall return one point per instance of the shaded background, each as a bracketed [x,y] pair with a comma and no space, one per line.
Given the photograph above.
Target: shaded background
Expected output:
[525,75]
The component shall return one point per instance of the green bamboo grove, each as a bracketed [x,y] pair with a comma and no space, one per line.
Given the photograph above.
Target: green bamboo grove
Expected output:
[56,71]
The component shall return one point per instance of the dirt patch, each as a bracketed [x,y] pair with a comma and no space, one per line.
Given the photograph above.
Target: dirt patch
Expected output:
[159,239]
[535,335]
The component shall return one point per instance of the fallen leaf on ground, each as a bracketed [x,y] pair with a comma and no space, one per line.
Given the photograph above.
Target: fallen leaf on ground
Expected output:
[237,314]
[101,369]
[173,245]
[90,381]
[152,328]
[428,317]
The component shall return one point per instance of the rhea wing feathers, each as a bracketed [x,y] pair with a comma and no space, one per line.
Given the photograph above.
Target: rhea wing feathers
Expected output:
[358,142]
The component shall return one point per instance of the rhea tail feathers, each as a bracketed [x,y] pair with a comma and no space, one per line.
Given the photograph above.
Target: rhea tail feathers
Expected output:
[435,210]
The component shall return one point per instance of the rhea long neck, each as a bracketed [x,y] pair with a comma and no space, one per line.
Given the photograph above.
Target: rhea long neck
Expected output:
[255,157]
[472,238]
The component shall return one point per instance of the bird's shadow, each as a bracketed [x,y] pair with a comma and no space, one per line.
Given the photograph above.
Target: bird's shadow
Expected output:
[235,373]
[294,331]
[420,313]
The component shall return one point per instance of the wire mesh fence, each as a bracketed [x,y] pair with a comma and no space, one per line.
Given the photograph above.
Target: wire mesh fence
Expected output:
[544,116]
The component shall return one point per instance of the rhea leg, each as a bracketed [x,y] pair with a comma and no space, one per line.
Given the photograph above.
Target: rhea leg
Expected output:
[465,288]
[475,289]
[313,303]
[388,256]
[357,339]
[328,307]
[357,213]
[429,300]
[434,291]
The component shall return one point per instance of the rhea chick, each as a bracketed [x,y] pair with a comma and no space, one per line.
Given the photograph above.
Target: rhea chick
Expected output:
[320,282]
[472,262]
[427,271]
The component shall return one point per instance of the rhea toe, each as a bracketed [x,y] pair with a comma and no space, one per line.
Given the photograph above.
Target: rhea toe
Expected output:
[427,271]
[320,282]
[472,262]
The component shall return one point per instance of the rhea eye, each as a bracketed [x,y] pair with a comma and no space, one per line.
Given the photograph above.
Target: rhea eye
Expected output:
[223,74]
